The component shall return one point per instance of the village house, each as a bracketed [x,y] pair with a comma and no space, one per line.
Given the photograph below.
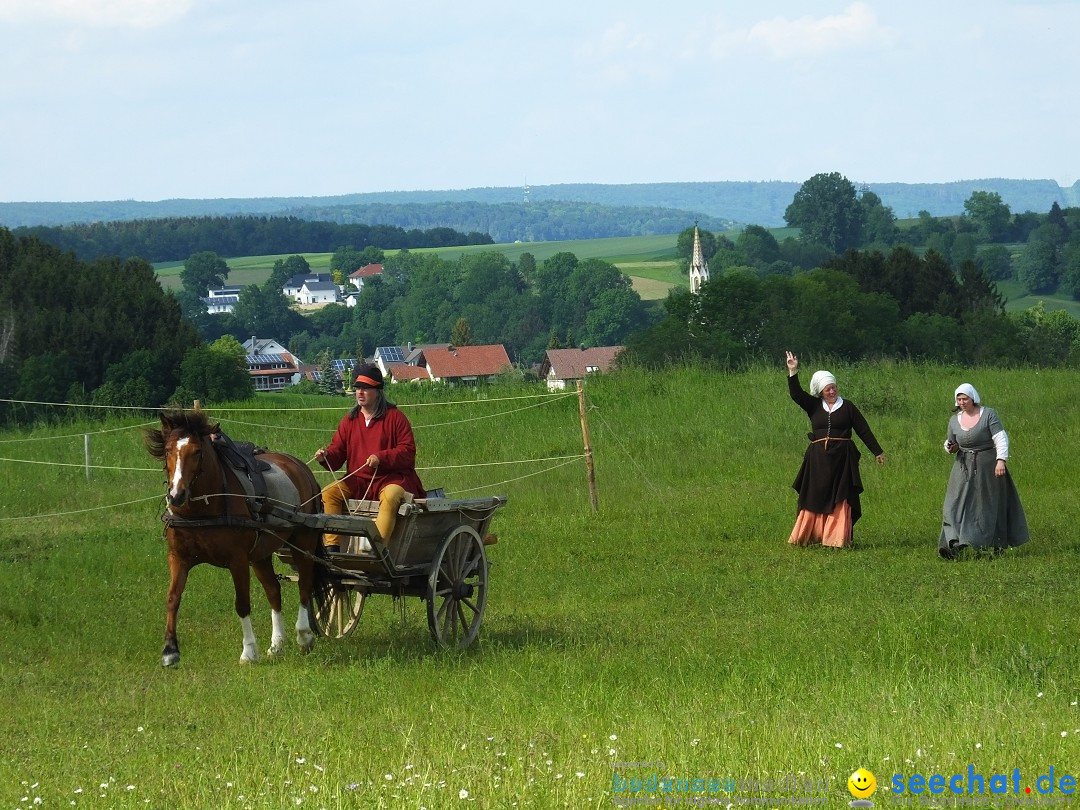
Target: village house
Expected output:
[271,365]
[563,367]
[222,299]
[441,362]
[311,288]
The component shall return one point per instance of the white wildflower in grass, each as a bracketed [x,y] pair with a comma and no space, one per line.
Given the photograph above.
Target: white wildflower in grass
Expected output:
[839,745]
[558,776]
[463,794]
[140,729]
[918,752]
[611,752]
[1039,695]
[78,790]
[613,737]
[319,768]
[388,776]
[978,745]
[300,760]
[130,787]
[313,788]
[1064,734]
[695,741]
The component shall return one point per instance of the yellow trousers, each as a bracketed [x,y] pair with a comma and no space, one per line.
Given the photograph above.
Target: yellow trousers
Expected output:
[335,496]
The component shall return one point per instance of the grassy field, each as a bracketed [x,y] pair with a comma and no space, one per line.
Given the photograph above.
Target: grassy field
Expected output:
[1019,300]
[674,629]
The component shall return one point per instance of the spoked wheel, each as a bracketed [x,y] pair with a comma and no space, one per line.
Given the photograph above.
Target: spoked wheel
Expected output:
[335,608]
[457,589]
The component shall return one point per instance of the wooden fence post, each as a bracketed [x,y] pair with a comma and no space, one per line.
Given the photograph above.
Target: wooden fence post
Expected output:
[589,470]
[86,452]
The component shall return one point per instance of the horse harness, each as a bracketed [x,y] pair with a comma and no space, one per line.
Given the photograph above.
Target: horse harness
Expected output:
[242,458]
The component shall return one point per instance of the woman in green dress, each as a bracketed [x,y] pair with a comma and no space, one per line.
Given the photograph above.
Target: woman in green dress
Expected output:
[982,507]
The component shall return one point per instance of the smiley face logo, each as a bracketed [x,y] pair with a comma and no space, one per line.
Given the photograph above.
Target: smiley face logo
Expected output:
[862,784]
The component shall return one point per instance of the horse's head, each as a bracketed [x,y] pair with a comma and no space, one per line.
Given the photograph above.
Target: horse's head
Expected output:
[180,443]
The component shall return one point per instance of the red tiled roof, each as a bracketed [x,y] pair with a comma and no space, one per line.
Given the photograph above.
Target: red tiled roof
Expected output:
[466,361]
[403,373]
[570,364]
[366,271]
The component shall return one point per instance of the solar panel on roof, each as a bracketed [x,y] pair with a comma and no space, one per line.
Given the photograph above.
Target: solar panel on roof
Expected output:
[343,364]
[391,354]
[266,358]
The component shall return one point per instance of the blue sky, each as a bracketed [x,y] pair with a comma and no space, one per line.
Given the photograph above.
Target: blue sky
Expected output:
[159,99]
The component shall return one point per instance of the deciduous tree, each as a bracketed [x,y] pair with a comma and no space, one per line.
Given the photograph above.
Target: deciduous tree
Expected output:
[826,211]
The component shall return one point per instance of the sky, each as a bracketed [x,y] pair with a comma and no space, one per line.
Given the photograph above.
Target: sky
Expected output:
[164,99]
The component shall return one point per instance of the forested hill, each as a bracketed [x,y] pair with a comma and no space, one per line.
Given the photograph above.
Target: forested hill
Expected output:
[568,211]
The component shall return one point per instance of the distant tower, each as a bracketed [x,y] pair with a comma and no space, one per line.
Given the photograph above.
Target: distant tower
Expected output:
[525,191]
[699,268]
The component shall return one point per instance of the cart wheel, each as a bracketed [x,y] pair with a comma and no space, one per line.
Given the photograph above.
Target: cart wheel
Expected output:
[457,589]
[335,608]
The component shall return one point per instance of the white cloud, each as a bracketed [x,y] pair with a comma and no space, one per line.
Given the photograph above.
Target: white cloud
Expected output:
[95,13]
[787,38]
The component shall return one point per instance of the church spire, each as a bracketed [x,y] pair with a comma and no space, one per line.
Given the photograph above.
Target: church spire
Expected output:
[699,268]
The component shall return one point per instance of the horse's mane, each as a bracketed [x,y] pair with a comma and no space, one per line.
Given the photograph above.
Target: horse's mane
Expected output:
[193,423]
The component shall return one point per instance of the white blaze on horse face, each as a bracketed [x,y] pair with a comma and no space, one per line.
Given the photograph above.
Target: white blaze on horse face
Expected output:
[178,474]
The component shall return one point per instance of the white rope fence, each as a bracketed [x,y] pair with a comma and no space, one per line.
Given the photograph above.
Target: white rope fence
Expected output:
[545,400]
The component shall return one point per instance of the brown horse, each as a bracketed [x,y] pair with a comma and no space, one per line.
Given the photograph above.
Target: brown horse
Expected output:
[211,517]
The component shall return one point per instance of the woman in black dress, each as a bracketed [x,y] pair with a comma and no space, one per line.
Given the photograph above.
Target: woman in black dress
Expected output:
[828,482]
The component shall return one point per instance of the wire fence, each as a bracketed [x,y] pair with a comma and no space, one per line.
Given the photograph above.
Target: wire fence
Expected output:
[516,405]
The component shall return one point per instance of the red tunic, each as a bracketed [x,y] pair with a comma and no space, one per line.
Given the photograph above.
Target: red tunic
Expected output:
[390,438]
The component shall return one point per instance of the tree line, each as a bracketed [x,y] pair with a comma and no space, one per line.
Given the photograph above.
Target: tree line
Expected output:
[160,240]
[1039,250]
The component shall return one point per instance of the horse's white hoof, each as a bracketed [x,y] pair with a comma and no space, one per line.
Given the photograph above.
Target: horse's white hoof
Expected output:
[306,640]
[249,657]
[277,651]
[170,660]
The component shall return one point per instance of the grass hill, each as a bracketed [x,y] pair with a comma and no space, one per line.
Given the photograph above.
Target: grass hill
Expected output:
[673,633]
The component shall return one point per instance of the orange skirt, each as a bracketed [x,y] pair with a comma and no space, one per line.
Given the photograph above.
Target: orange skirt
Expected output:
[832,530]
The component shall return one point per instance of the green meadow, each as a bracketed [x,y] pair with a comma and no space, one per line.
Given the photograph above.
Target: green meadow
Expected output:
[648,260]
[672,634]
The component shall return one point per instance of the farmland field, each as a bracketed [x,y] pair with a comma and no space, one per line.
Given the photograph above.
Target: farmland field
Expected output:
[631,249]
[672,634]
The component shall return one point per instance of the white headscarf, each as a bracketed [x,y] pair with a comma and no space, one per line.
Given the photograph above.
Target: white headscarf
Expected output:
[819,381]
[969,390]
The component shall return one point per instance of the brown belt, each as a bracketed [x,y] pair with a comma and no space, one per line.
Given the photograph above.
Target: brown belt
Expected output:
[828,439]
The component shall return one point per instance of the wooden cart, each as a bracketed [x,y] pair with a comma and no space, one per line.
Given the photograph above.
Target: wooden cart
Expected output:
[436,553]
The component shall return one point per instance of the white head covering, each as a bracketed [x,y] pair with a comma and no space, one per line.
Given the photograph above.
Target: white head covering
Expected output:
[969,390]
[819,381]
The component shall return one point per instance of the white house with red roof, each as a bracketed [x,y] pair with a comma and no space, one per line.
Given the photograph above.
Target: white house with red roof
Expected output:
[358,277]
[564,366]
